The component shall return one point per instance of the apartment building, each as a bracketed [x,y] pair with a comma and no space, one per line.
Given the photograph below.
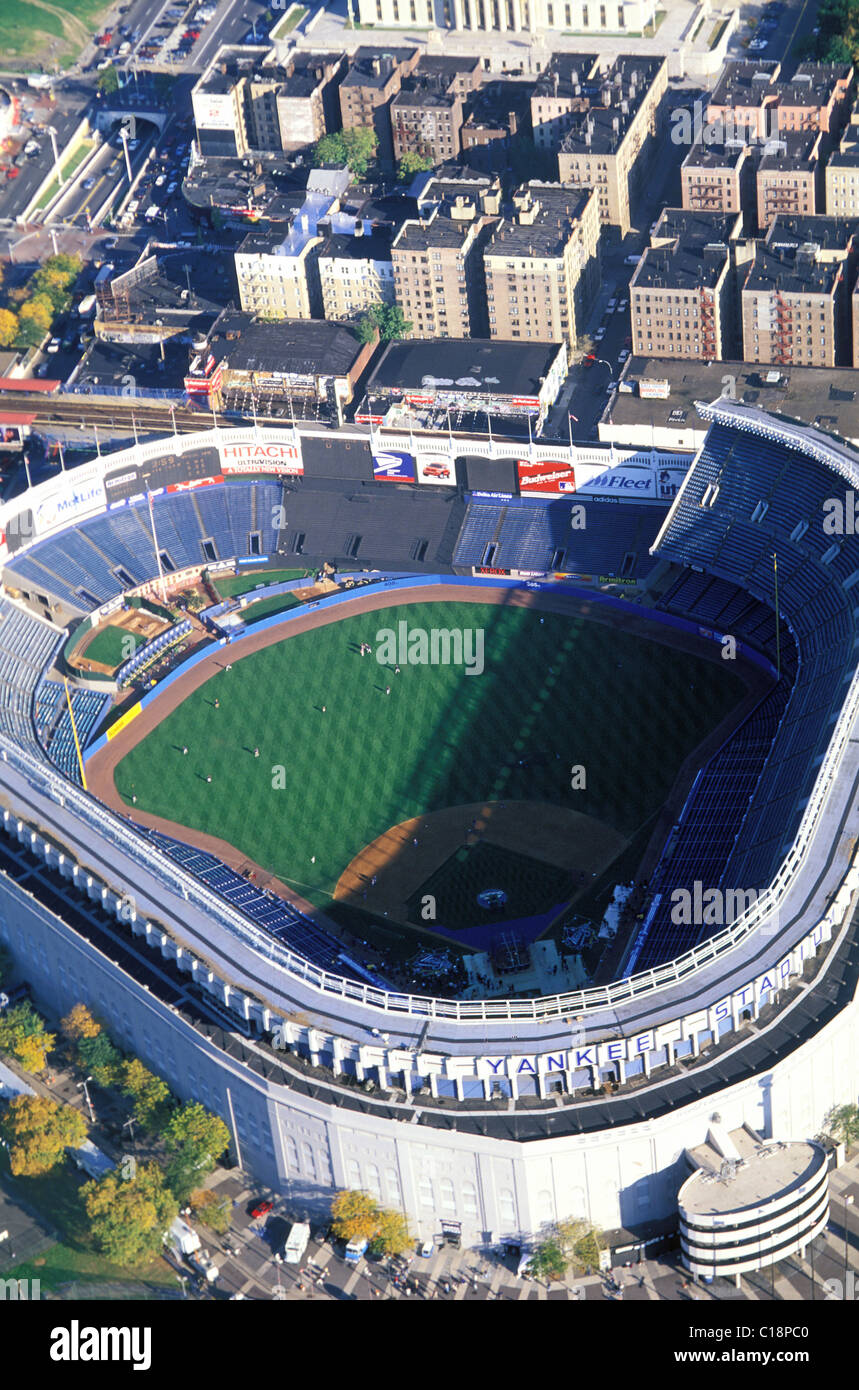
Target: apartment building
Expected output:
[366,92]
[276,270]
[355,272]
[511,16]
[761,100]
[542,265]
[795,301]
[427,112]
[789,177]
[681,293]
[438,269]
[246,100]
[614,133]
[495,115]
[718,178]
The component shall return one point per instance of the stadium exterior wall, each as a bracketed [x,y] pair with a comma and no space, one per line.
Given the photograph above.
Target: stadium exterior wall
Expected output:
[305,1148]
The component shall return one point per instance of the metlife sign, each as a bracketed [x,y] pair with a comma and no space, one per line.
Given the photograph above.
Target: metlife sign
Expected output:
[68,503]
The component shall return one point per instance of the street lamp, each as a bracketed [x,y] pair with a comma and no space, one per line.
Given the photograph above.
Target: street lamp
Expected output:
[82,1085]
[123,135]
[57,170]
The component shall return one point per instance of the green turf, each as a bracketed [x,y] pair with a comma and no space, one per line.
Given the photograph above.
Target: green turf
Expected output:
[114,645]
[554,693]
[55,33]
[236,584]
[264,607]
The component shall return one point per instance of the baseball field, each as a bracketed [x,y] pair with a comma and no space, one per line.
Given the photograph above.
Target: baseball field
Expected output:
[579,725]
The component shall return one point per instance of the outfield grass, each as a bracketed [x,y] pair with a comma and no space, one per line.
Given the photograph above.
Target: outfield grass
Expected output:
[114,645]
[264,607]
[233,585]
[555,692]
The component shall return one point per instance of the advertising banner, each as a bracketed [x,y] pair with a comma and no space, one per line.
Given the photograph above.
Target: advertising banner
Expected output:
[67,503]
[257,454]
[194,483]
[436,468]
[394,466]
[546,477]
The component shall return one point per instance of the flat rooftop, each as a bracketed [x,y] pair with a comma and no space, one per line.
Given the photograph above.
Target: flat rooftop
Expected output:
[558,209]
[790,271]
[372,67]
[761,1173]
[440,232]
[478,364]
[680,268]
[312,347]
[825,397]
[694,227]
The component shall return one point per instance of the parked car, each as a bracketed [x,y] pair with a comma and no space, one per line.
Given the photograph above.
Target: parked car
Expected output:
[54,345]
[599,335]
[261,1209]
[88,184]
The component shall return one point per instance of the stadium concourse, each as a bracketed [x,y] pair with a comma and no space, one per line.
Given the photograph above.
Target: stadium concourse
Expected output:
[592,1103]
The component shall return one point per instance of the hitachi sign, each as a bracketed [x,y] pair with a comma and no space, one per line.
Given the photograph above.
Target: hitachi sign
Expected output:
[261,451]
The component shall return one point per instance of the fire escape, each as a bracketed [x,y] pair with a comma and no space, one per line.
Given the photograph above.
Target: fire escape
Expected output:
[782,330]
[709,345]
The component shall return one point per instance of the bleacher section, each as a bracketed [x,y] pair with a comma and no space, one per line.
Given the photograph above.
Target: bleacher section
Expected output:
[748,802]
[89,709]
[109,554]
[529,533]
[286,923]
[26,645]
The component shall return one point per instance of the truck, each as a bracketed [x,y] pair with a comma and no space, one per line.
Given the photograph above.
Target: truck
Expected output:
[152,212]
[86,306]
[182,1238]
[202,1261]
[91,1160]
[354,1251]
[296,1243]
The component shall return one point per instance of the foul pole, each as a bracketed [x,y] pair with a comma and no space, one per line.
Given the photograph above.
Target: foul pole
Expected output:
[75,734]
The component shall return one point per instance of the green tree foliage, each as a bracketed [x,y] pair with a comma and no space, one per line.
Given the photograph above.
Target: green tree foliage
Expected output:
[842,1124]
[23,1036]
[38,1131]
[412,163]
[548,1261]
[148,1094]
[351,149]
[8,327]
[34,320]
[99,1057]
[128,1217]
[194,1139]
[386,319]
[581,1244]
[108,80]
[214,1211]
[392,1235]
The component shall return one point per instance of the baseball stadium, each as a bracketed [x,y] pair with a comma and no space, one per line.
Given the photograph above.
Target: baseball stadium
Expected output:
[513,801]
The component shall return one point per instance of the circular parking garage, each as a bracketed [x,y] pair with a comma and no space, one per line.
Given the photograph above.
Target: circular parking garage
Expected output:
[750,1203]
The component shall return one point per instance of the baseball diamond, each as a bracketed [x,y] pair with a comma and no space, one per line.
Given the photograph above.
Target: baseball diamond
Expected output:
[651,718]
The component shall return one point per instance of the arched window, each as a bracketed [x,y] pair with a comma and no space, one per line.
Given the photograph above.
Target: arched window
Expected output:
[353,1173]
[393,1182]
[374,1182]
[545,1205]
[506,1204]
[425,1190]
[291,1153]
[448,1197]
[309,1165]
[469,1199]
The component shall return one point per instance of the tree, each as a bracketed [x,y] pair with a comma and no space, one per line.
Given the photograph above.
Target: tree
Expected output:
[108,80]
[194,1139]
[386,319]
[8,327]
[837,51]
[354,1216]
[392,1235]
[128,1217]
[34,320]
[581,1244]
[38,1131]
[99,1056]
[148,1093]
[79,1024]
[67,263]
[23,1036]
[214,1211]
[355,149]
[842,1124]
[548,1261]
[412,163]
